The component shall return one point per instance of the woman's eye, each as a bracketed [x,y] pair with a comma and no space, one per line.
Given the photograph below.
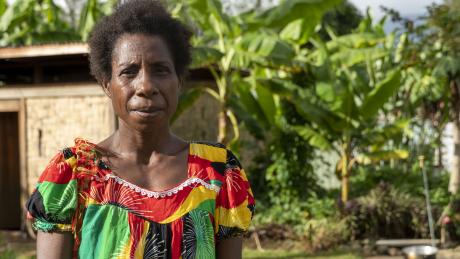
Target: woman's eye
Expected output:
[128,72]
[162,70]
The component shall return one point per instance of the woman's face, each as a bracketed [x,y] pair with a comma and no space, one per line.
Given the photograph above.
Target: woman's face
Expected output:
[144,85]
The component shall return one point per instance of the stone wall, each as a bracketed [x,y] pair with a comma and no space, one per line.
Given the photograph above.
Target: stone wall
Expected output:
[53,123]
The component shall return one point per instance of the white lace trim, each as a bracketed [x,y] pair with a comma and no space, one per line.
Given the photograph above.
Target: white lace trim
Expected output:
[160,194]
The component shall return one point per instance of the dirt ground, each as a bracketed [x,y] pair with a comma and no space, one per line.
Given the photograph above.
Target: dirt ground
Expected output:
[18,245]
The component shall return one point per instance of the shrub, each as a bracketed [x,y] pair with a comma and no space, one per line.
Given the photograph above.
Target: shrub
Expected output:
[451,217]
[327,233]
[408,180]
[386,212]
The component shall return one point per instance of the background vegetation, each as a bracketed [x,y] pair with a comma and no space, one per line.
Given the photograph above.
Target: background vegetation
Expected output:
[324,91]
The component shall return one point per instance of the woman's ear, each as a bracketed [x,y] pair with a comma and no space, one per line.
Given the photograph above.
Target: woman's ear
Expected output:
[181,82]
[106,87]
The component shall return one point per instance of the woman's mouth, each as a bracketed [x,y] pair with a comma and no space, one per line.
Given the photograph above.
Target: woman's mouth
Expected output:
[147,112]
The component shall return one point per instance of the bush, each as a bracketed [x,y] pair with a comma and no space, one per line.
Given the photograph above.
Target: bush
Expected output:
[283,180]
[327,233]
[451,218]
[408,180]
[387,212]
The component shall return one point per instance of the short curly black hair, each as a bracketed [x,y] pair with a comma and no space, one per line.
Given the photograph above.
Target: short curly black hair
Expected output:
[137,16]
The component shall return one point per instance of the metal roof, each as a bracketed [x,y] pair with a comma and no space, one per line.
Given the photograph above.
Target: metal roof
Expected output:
[44,50]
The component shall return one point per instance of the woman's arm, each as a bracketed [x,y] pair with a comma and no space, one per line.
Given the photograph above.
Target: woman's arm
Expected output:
[231,248]
[54,245]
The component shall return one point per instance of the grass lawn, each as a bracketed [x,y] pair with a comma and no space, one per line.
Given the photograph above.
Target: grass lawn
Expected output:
[254,254]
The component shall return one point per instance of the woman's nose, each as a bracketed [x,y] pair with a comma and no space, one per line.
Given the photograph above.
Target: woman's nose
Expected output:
[147,85]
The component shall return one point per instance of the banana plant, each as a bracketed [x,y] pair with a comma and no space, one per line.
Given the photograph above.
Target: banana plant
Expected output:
[436,57]
[228,45]
[26,22]
[92,11]
[342,89]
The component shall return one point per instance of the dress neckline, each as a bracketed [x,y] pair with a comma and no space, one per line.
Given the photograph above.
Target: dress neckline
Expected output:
[143,191]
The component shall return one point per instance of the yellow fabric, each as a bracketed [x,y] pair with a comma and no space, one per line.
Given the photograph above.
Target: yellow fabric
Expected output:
[64,227]
[141,246]
[72,161]
[235,217]
[215,154]
[194,199]
[125,251]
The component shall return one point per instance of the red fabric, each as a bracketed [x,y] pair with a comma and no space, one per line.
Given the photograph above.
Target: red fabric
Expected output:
[57,171]
[176,242]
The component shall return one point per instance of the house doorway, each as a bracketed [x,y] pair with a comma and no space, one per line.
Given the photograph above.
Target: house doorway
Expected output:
[10,188]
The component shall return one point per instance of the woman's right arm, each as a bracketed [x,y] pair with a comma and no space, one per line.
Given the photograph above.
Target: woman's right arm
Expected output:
[52,206]
[54,245]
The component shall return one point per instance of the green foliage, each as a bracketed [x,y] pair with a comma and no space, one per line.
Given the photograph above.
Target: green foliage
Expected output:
[186,100]
[228,44]
[3,6]
[27,22]
[451,217]
[287,11]
[341,89]
[387,212]
[382,92]
[92,11]
[303,77]
[343,18]
[410,182]
[8,254]
[284,180]
[327,233]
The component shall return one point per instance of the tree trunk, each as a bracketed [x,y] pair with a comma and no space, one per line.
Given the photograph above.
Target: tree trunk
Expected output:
[344,188]
[454,181]
[345,171]
[222,116]
[222,124]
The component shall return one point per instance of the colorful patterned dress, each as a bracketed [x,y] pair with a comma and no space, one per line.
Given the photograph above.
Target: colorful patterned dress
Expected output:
[112,218]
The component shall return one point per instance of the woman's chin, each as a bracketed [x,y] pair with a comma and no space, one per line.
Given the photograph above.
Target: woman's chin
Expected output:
[147,121]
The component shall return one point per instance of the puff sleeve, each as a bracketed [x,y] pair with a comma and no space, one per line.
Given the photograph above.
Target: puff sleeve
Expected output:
[53,202]
[235,201]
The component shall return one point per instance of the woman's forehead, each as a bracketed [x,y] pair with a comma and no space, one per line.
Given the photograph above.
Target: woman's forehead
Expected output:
[132,47]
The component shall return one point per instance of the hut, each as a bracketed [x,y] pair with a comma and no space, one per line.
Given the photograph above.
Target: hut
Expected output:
[47,99]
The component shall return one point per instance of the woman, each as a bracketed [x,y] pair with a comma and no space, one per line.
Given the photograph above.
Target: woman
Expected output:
[142,192]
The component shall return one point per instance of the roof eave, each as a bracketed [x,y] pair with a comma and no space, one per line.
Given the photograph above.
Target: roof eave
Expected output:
[45,50]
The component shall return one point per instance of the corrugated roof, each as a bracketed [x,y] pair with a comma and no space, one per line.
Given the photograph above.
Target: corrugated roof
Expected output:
[54,49]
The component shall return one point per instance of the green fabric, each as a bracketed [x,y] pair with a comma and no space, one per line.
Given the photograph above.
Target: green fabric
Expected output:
[204,234]
[59,200]
[208,205]
[216,183]
[44,226]
[105,232]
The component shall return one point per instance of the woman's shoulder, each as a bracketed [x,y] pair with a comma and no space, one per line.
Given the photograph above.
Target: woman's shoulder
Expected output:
[208,143]
[83,154]
[217,156]
[214,152]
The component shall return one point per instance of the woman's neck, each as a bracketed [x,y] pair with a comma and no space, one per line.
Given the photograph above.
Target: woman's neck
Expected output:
[142,146]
